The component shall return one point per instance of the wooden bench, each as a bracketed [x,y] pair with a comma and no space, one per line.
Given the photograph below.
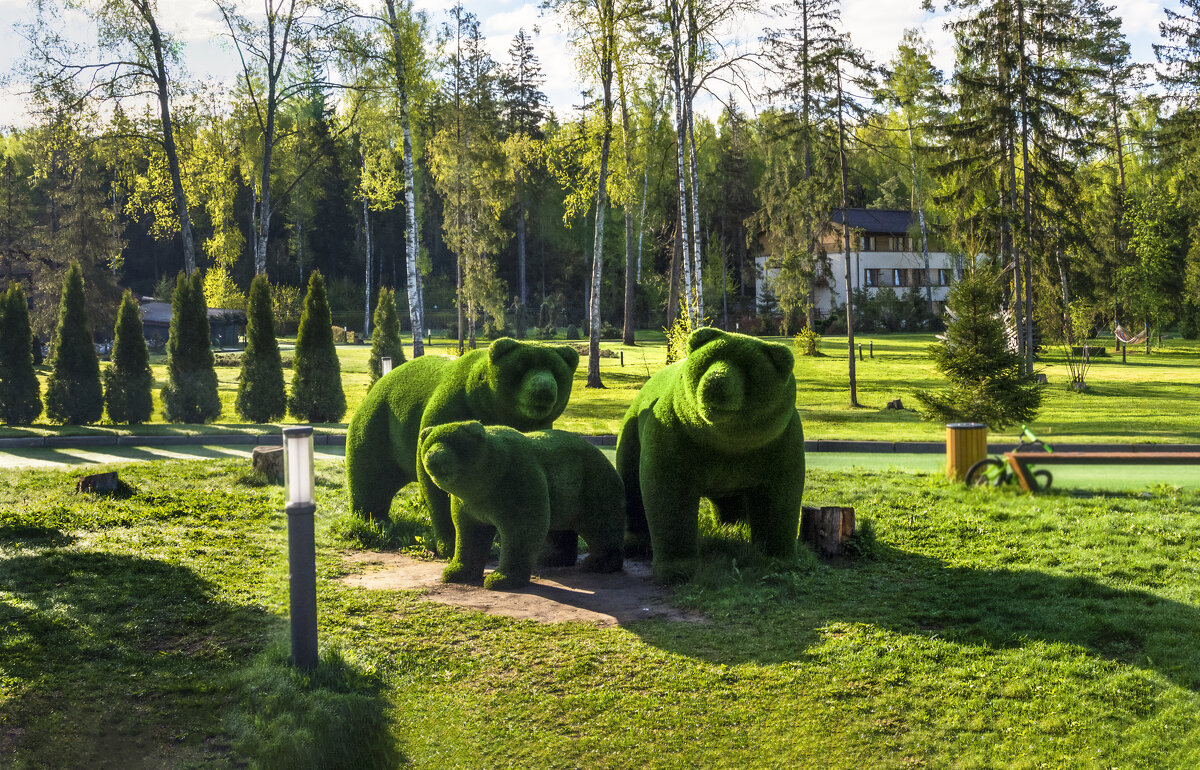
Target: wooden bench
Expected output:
[1020,462]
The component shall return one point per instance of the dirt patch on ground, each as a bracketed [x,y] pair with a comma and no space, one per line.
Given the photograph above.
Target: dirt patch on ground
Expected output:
[554,595]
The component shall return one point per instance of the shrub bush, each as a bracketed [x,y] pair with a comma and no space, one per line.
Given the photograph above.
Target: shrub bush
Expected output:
[73,394]
[286,304]
[547,332]
[317,394]
[572,332]
[339,334]
[260,392]
[128,381]
[20,392]
[385,340]
[807,342]
[191,392]
[986,382]
[609,332]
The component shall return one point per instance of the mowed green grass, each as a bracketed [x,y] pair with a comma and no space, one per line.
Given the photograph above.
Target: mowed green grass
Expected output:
[1152,398]
[976,628]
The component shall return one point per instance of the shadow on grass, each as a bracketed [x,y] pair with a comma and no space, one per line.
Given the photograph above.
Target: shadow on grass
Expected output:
[908,593]
[131,662]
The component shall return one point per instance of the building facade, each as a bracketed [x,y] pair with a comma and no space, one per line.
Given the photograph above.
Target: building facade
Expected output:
[884,254]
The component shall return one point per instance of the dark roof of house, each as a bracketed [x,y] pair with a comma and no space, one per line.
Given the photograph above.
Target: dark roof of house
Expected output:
[159,314]
[893,221]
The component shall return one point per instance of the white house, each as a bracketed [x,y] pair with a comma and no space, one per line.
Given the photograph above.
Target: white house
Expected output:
[883,253]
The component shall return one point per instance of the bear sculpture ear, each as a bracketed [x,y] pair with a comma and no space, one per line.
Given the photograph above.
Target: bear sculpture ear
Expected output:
[425,434]
[781,357]
[702,337]
[473,428]
[570,355]
[501,348]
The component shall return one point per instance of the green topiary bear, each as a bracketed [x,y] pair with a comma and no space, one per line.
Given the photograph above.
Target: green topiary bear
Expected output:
[519,384]
[721,424]
[523,485]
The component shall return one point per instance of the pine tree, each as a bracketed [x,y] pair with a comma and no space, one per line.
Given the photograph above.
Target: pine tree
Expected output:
[191,391]
[317,394]
[385,340]
[128,381]
[20,393]
[986,380]
[73,394]
[260,394]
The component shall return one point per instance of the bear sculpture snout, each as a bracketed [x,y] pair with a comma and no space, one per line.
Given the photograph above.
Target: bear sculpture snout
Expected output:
[540,391]
[722,389]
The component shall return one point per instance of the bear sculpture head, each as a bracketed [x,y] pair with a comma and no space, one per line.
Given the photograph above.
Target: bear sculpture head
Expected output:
[737,389]
[453,454]
[529,384]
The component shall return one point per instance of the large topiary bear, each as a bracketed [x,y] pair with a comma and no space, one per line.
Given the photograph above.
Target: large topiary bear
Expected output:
[523,485]
[721,424]
[519,384]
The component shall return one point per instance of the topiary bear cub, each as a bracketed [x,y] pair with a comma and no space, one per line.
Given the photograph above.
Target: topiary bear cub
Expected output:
[523,485]
[523,385]
[720,424]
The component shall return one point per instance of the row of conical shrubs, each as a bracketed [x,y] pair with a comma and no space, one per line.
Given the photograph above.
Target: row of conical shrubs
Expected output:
[73,389]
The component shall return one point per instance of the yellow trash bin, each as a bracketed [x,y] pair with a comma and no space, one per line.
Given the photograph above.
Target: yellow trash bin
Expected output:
[966,444]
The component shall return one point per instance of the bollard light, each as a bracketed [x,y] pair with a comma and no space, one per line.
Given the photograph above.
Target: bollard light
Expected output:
[302,561]
[385,364]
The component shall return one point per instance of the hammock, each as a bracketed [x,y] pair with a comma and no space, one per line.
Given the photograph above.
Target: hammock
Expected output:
[1124,338]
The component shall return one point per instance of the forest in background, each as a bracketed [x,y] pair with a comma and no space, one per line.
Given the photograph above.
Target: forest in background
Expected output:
[384,147]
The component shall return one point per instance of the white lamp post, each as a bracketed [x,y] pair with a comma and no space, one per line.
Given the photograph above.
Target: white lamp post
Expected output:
[385,364]
[302,559]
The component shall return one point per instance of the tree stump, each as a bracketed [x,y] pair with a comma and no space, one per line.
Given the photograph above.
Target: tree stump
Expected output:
[268,460]
[827,529]
[99,483]
[895,404]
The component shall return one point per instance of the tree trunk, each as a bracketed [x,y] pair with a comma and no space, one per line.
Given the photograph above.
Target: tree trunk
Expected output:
[366,268]
[627,330]
[846,242]
[697,257]
[416,304]
[680,139]
[168,128]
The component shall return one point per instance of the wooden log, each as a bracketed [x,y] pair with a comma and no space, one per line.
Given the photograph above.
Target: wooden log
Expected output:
[827,529]
[269,461]
[99,483]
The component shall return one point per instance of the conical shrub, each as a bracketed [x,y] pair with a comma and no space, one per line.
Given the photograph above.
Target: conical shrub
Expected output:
[385,340]
[128,381]
[317,394]
[191,391]
[20,392]
[73,394]
[260,392]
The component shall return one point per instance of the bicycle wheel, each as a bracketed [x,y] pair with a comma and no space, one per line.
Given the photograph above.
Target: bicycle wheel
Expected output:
[1044,479]
[988,472]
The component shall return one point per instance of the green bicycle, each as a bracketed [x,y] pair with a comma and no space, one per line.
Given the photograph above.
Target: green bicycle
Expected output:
[995,471]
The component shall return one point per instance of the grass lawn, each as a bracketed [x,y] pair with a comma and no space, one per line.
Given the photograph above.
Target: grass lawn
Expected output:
[1151,398]
[975,628]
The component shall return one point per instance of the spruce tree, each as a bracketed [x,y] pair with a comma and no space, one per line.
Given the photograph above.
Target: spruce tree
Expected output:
[385,340]
[73,394]
[987,383]
[260,393]
[191,391]
[317,394]
[128,381]
[20,392]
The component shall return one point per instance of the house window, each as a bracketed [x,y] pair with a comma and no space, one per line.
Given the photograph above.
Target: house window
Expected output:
[899,277]
[943,277]
[866,243]
[871,276]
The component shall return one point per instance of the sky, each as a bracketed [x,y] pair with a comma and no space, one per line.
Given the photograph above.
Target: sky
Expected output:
[876,25]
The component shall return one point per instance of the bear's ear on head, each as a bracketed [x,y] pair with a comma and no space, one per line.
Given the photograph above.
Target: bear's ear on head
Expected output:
[501,348]
[780,356]
[473,428]
[702,337]
[570,355]
[425,434]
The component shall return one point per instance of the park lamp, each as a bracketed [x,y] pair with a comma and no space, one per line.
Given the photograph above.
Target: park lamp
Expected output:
[302,561]
[385,364]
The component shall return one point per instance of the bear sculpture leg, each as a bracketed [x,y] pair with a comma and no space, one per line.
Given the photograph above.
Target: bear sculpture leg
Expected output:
[472,546]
